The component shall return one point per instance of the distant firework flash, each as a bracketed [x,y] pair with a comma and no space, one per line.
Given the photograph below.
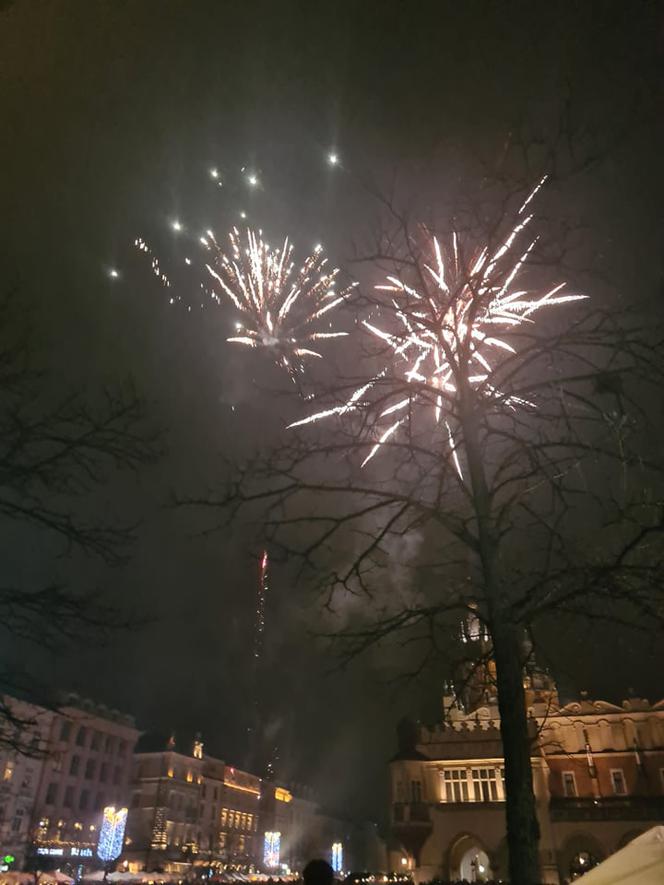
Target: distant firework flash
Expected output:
[281,308]
[449,329]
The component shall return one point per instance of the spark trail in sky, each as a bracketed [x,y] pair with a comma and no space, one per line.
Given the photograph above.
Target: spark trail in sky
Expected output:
[281,307]
[259,626]
[452,324]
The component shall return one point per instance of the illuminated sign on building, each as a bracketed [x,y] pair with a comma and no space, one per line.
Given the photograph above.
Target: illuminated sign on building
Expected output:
[111,834]
[282,795]
[272,849]
[337,857]
[74,851]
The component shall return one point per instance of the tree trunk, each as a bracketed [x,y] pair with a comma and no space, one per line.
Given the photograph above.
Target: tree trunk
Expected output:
[522,826]
[520,813]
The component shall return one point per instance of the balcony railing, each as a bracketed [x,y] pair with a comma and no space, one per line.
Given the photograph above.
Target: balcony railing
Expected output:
[611,808]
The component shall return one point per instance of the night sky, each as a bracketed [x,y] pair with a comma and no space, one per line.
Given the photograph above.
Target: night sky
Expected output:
[113,113]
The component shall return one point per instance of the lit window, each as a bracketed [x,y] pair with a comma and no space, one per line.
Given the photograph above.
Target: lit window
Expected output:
[485,783]
[190,777]
[171,773]
[618,781]
[8,772]
[569,784]
[456,785]
[224,815]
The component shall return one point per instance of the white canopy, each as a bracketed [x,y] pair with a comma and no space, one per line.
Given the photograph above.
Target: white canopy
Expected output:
[16,878]
[641,862]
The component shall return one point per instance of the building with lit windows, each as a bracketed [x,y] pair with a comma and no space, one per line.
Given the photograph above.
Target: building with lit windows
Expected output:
[598,774]
[65,766]
[21,751]
[189,809]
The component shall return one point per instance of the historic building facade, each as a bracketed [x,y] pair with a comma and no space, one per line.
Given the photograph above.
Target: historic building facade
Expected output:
[598,773]
[60,769]
[191,810]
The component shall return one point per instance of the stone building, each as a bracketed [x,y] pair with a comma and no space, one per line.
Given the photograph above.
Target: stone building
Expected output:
[66,765]
[25,732]
[190,810]
[598,773]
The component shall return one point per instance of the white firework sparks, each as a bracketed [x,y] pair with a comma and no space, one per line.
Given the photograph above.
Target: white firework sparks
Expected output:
[281,307]
[449,327]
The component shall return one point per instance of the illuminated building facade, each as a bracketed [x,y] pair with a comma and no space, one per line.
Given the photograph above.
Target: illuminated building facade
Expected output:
[598,773]
[76,759]
[191,810]
[20,773]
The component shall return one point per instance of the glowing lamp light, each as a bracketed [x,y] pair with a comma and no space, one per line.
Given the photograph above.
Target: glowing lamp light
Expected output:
[333,158]
[243,214]
[337,857]
[176,225]
[252,180]
[111,834]
[113,273]
[214,173]
[272,849]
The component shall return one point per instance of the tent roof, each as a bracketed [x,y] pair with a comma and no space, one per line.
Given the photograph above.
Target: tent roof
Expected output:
[641,862]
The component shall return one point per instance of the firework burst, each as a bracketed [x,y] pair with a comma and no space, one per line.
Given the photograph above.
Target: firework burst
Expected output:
[281,307]
[449,325]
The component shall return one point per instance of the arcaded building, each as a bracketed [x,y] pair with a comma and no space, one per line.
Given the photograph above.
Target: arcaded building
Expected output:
[598,773]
